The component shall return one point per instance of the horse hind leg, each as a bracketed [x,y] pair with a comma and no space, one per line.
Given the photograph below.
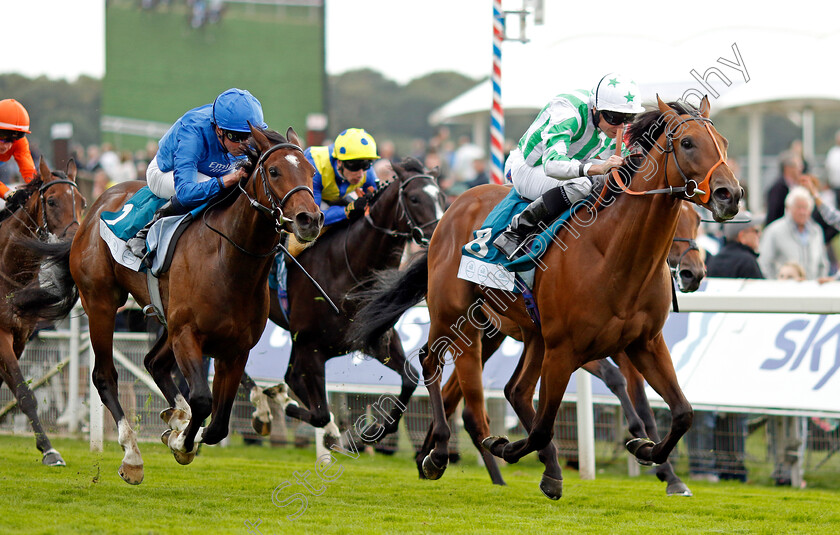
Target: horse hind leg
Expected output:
[10,372]
[104,377]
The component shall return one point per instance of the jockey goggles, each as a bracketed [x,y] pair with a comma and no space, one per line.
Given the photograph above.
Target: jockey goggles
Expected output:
[615,118]
[10,136]
[357,165]
[237,137]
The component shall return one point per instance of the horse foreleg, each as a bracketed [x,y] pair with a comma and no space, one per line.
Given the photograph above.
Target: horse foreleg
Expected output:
[104,377]
[653,360]
[225,386]
[188,355]
[10,372]
[159,362]
[636,390]
[306,376]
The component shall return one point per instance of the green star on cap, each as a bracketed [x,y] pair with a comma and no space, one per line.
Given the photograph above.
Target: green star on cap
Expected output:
[629,96]
[613,82]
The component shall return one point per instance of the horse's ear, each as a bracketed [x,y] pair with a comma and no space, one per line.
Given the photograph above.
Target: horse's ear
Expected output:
[292,136]
[259,138]
[668,113]
[71,169]
[705,108]
[44,170]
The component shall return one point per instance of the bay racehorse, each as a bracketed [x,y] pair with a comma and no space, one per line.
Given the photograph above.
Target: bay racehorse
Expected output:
[51,213]
[688,270]
[215,294]
[343,260]
[607,291]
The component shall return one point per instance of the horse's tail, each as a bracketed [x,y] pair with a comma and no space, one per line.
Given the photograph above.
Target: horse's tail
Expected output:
[52,294]
[381,305]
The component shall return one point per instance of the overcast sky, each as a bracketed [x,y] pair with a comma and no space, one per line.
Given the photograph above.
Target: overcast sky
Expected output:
[405,39]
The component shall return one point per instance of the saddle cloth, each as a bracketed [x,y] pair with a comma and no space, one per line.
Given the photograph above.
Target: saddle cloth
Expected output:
[484,264]
[118,227]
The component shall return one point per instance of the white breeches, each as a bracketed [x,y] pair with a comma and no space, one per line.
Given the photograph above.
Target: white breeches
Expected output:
[532,182]
[163,184]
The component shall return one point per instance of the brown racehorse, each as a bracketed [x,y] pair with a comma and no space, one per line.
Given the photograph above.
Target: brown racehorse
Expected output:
[608,291]
[215,293]
[685,263]
[51,213]
[343,260]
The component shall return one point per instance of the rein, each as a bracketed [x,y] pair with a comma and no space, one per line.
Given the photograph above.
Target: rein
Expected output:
[275,212]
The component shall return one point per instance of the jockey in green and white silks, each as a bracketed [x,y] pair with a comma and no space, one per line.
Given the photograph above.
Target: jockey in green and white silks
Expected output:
[571,141]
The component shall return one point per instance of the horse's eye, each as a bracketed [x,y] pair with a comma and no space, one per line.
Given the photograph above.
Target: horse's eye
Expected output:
[686,143]
[50,202]
[273,171]
[414,198]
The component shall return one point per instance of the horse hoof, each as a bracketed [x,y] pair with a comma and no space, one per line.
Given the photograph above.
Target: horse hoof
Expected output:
[184,458]
[431,470]
[131,474]
[263,428]
[552,488]
[678,489]
[166,414]
[330,441]
[53,458]
[164,437]
[636,445]
[495,445]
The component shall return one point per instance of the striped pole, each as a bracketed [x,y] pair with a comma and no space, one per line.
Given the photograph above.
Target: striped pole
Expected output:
[497,115]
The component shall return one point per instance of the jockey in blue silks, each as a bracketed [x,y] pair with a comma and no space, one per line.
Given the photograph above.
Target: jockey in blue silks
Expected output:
[196,157]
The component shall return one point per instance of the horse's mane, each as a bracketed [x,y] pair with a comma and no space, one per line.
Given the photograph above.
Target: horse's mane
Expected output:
[643,133]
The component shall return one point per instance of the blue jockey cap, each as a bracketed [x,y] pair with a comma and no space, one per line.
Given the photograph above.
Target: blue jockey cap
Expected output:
[235,108]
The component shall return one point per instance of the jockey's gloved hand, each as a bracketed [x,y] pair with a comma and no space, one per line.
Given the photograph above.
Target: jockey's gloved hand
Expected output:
[356,209]
[15,199]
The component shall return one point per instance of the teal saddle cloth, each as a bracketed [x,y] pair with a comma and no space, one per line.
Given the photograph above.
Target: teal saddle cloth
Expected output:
[497,221]
[163,235]
[134,214]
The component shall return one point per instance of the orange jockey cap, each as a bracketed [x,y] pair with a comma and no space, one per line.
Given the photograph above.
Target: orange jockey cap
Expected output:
[13,116]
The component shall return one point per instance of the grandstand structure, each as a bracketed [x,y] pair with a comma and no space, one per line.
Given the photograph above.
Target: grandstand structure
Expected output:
[161,60]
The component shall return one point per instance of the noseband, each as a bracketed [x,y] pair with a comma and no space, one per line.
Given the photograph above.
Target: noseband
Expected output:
[415,230]
[275,212]
[692,246]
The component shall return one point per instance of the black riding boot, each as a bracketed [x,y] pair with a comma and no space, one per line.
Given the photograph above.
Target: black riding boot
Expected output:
[137,244]
[543,210]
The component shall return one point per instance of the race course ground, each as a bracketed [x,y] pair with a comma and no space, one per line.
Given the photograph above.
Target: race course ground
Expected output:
[226,487]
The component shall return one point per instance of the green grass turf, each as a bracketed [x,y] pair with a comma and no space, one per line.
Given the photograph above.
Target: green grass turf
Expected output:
[225,487]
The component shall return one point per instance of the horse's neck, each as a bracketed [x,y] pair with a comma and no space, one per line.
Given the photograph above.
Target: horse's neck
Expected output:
[248,228]
[640,232]
[378,250]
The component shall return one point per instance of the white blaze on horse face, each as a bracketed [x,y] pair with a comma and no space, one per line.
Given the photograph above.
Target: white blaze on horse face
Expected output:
[292,159]
[434,193]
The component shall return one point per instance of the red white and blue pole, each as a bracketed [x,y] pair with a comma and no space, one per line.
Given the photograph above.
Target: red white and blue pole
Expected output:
[497,115]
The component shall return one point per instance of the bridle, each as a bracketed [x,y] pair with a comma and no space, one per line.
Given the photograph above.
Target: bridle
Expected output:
[415,229]
[692,246]
[42,230]
[691,187]
[274,212]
